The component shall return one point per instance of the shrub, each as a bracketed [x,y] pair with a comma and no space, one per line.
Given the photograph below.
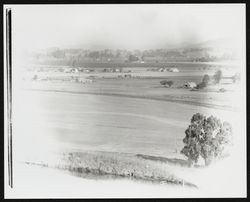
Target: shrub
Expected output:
[217,76]
[236,78]
[206,138]
[201,85]
[35,77]
[206,79]
[222,90]
[167,83]
[204,83]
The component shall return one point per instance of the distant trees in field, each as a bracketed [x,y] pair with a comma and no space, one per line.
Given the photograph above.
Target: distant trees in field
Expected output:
[35,77]
[236,77]
[216,79]
[217,76]
[132,58]
[204,83]
[73,62]
[58,53]
[206,138]
[206,79]
[94,54]
[201,85]
[166,83]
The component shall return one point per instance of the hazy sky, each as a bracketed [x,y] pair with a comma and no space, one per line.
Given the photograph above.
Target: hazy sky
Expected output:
[124,26]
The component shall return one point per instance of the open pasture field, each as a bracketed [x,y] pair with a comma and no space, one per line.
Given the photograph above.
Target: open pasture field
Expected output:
[144,87]
[108,123]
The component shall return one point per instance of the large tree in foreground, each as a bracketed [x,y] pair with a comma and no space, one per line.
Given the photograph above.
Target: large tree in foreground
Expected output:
[206,138]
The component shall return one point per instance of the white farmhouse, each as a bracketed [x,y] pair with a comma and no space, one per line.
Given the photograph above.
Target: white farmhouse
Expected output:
[190,85]
[173,70]
[74,70]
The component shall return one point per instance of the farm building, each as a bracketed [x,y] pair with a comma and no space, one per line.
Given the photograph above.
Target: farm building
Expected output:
[71,70]
[112,70]
[83,80]
[190,85]
[80,69]
[128,76]
[163,69]
[173,70]
[87,70]
[88,81]
[74,70]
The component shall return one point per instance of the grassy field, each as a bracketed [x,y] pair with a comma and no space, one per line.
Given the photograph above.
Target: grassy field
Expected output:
[108,123]
[148,88]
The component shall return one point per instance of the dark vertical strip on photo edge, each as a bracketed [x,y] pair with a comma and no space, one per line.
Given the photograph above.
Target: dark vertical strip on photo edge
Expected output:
[9,95]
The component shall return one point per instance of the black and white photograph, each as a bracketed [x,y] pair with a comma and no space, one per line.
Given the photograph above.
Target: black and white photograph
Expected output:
[125,100]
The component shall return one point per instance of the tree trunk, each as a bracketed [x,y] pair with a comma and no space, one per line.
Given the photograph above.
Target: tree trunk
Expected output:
[208,161]
[190,163]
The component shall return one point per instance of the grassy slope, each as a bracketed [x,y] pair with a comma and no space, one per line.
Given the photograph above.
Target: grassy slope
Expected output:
[112,164]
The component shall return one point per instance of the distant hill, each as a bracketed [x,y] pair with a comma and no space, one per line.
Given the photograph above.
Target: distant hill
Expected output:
[208,51]
[220,48]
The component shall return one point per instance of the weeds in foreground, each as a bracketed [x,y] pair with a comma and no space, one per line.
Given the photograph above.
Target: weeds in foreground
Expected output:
[116,165]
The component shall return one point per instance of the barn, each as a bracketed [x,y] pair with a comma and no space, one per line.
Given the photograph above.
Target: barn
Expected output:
[173,70]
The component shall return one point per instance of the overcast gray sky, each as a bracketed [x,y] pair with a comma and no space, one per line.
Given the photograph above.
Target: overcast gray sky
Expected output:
[124,26]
